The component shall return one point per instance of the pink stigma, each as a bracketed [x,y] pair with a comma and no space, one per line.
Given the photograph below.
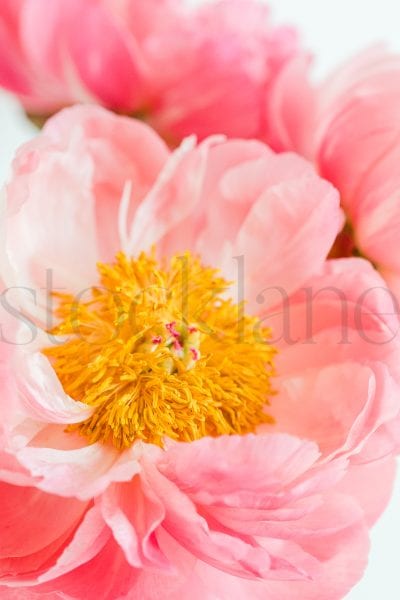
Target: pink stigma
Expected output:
[195,353]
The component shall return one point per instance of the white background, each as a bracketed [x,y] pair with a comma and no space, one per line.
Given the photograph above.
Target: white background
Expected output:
[333,29]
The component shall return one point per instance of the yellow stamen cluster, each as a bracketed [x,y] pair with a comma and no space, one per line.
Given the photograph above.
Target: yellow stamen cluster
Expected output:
[158,351]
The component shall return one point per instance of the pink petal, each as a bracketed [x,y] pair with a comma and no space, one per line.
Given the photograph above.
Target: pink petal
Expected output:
[61,42]
[301,216]
[133,512]
[84,159]
[46,176]
[89,539]
[82,472]
[215,167]
[106,575]
[232,554]
[292,107]
[43,395]
[228,477]
[341,567]
[14,72]
[339,407]
[372,498]
[51,517]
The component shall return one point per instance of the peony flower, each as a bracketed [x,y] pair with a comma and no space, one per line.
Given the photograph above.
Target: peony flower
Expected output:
[352,134]
[205,70]
[159,436]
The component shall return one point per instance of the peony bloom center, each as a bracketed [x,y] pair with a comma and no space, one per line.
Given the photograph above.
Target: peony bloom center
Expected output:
[158,350]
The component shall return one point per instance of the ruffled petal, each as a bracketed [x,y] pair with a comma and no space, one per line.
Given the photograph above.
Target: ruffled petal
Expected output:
[78,169]
[27,545]
[133,512]
[82,472]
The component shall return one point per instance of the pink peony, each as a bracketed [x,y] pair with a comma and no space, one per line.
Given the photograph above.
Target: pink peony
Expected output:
[352,132]
[158,438]
[211,69]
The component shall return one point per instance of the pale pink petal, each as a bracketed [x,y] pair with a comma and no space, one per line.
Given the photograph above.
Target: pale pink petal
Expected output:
[238,173]
[342,559]
[292,107]
[228,476]
[84,160]
[339,407]
[220,170]
[82,472]
[225,476]
[262,217]
[372,485]
[42,394]
[301,216]
[133,512]
[50,186]
[342,313]
[168,202]
[11,471]
[358,115]
[233,554]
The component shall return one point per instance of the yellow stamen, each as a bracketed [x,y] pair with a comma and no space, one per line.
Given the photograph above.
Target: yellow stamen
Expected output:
[158,351]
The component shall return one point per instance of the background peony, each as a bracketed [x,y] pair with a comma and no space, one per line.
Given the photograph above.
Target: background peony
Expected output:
[351,131]
[283,512]
[212,69]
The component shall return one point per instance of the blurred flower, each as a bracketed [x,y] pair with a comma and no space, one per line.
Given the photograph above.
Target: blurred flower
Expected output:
[352,132]
[153,442]
[205,70]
